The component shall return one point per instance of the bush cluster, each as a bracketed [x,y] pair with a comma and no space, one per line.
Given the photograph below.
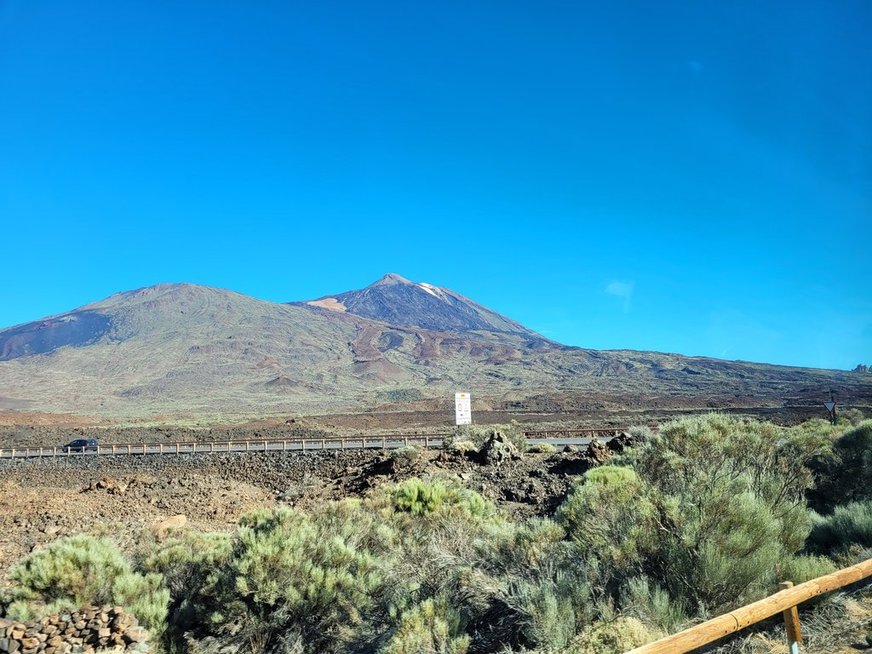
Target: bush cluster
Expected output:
[478,434]
[702,516]
[82,570]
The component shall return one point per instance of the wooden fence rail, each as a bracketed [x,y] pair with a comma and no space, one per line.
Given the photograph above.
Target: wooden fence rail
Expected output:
[729,623]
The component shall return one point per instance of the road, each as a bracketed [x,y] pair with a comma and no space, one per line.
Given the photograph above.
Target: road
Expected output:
[574,437]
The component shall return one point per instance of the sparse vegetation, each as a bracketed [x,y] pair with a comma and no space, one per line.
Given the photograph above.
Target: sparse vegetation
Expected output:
[478,434]
[844,473]
[847,527]
[702,516]
[461,447]
[406,455]
[83,570]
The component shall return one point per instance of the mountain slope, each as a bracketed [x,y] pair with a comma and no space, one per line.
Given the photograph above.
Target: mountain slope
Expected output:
[397,301]
[186,350]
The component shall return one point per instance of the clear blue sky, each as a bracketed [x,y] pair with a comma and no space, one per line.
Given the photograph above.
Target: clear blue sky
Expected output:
[689,177]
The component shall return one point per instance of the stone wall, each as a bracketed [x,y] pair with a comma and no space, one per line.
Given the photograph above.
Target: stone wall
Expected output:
[88,630]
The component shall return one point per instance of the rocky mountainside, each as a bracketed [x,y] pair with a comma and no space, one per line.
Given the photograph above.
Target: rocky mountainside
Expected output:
[181,350]
[397,301]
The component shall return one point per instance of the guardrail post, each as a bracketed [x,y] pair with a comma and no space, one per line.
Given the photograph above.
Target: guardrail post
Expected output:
[426,442]
[384,442]
[264,446]
[791,623]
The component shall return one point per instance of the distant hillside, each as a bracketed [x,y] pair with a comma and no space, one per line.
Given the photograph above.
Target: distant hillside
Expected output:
[187,350]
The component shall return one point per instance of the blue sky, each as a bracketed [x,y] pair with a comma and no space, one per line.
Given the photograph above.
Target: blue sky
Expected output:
[689,177]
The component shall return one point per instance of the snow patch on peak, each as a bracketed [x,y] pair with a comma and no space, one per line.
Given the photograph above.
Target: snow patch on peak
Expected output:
[435,291]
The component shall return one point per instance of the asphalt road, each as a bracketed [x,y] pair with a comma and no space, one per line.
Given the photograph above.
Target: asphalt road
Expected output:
[296,445]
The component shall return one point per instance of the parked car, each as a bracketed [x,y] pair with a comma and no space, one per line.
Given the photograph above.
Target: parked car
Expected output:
[81,445]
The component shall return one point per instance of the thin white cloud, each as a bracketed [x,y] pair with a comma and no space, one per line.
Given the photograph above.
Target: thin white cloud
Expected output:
[623,290]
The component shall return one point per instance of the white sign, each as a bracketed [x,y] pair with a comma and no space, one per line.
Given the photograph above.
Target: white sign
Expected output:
[463,408]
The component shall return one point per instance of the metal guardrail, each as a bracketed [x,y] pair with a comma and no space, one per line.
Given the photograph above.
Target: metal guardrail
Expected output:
[387,442]
[275,445]
[596,432]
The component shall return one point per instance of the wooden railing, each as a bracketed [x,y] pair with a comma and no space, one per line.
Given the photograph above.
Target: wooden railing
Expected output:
[784,601]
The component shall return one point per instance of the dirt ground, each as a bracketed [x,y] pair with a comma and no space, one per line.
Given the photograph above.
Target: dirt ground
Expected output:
[125,496]
[44,499]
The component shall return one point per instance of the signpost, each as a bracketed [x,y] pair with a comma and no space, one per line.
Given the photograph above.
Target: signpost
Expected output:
[462,409]
[831,408]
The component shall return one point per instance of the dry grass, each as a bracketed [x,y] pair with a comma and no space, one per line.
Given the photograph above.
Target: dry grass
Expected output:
[837,625]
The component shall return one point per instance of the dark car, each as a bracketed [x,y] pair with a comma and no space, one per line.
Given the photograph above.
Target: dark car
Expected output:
[81,445]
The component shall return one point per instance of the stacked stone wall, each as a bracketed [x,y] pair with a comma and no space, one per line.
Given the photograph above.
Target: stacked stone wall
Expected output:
[89,630]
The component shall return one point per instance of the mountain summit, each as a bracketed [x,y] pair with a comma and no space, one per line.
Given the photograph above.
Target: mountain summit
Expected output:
[188,350]
[398,301]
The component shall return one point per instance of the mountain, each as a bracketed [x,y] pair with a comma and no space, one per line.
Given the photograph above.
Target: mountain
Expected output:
[182,350]
[397,301]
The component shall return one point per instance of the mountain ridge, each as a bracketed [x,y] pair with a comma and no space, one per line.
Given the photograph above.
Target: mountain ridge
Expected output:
[186,349]
[395,300]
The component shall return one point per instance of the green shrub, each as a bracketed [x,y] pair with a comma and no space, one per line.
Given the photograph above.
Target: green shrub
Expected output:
[406,455]
[431,627]
[848,525]
[640,434]
[852,417]
[286,578]
[728,503]
[610,518]
[644,599]
[802,568]
[478,434]
[462,447]
[846,474]
[541,448]
[524,588]
[187,561]
[82,570]
[512,585]
[613,637]
[423,498]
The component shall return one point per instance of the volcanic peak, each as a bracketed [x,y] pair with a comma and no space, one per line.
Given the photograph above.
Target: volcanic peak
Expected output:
[395,300]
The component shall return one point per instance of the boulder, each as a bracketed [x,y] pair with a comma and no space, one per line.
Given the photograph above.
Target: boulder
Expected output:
[597,452]
[497,449]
